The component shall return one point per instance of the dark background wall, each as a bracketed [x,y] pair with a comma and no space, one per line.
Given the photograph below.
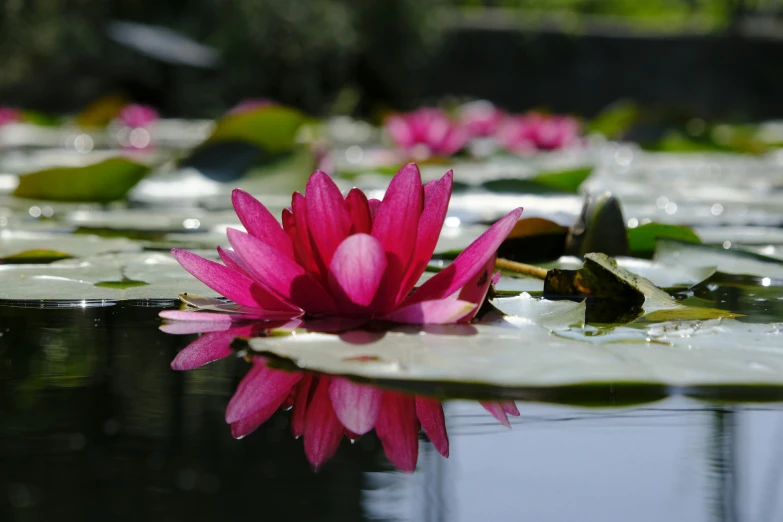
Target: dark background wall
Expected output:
[713,59]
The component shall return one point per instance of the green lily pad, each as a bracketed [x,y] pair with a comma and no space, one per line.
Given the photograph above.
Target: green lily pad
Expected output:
[123,284]
[35,256]
[272,128]
[102,182]
[567,181]
[616,120]
[641,240]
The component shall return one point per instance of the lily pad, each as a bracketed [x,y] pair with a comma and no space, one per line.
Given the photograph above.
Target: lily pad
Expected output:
[567,181]
[147,275]
[520,355]
[273,128]
[35,256]
[102,182]
[730,261]
[641,240]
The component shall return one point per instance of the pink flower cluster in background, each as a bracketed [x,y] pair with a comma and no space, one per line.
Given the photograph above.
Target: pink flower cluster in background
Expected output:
[9,115]
[428,132]
[136,116]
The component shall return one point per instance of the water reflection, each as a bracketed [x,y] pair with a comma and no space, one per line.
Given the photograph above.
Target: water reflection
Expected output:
[324,409]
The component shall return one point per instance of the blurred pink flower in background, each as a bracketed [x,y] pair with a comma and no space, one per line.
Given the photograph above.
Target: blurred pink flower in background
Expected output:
[426,132]
[535,131]
[251,104]
[138,116]
[480,118]
[9,115]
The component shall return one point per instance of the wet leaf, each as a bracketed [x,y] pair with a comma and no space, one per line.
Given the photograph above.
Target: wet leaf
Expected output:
[613,294]
[102,182]
[641,240]
[35,256]
[730,261]
[518,354]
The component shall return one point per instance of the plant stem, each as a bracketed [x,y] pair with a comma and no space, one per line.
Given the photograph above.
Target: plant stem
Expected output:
[521,268]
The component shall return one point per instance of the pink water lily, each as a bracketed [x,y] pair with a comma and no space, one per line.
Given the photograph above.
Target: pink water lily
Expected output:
[535,131]
[135,115]
[324,409]
[9,115]
[426,132]
[350,256]
[481,118]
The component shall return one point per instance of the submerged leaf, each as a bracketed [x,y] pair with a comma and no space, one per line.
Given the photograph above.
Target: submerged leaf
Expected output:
[102,182]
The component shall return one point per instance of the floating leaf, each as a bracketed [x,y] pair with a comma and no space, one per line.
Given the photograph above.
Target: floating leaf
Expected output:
[517,357]
[730,261]
[565,180]
[273,128]
[123,284]
[102,182]
[35,256]
[641,240]
[616,120]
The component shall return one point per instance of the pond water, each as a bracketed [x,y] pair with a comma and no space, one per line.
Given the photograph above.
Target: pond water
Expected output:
[97,426]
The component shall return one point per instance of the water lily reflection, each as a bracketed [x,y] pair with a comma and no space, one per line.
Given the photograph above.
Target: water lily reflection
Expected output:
[323,408]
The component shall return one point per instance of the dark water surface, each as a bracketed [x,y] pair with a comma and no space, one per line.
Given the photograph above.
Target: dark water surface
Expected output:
[95,426]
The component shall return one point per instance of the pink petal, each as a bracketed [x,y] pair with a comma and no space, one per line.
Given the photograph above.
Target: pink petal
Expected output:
[356,272]
[430,414]
[476,289]
[497,411]
[399,131]
[229,283]
[301,400]
[496,277]
[252,422]
[193,327]
[468,263]
[281,274]
[206,349]
[356,405]
[303,244]
[396,226]
[260,223]
[359,210]
[510,407]
[436,203]
[260,387]
[327,215]
[323,430]
[438,311]
[398,429]
[232,261]
[374,205]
